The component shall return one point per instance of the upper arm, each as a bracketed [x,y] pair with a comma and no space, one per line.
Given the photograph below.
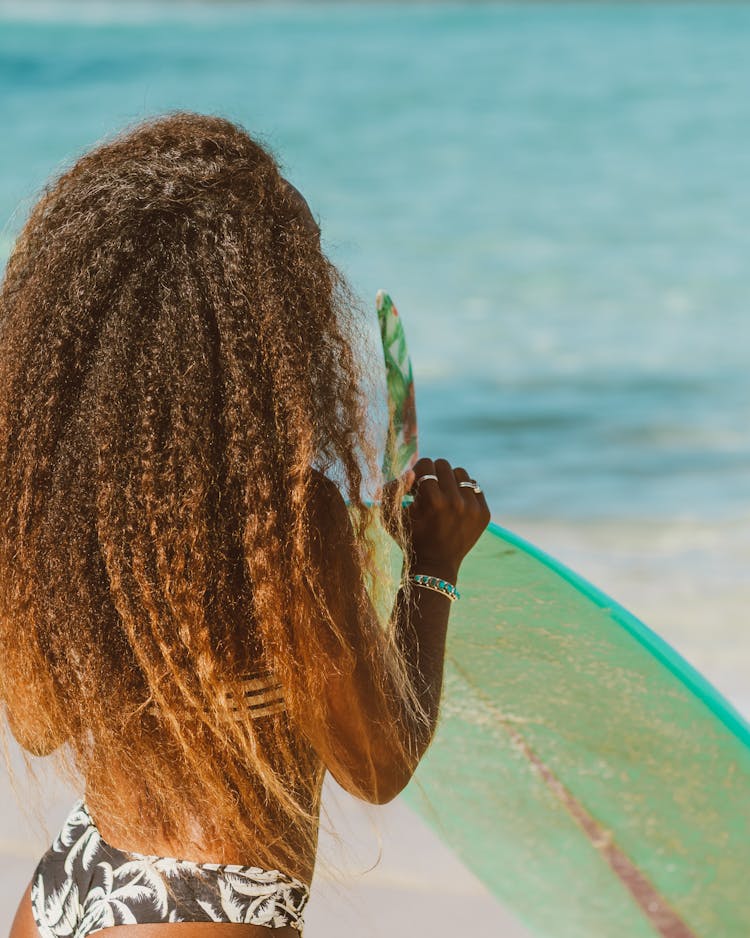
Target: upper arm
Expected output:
[357,743]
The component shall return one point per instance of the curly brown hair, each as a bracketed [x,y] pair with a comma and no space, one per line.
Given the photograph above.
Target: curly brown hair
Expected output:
[179,375]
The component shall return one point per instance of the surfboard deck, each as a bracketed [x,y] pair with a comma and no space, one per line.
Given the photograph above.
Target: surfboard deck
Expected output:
[592,779]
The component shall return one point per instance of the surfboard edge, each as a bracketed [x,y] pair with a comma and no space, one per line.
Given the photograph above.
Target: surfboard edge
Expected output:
[719,706]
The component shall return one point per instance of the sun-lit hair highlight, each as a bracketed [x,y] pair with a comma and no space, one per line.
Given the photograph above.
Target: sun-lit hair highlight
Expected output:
[177,353]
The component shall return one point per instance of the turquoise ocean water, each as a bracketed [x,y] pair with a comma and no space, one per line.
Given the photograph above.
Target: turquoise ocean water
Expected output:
[556,196]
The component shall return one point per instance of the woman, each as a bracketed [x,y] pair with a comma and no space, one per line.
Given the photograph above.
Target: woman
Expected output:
[187,602]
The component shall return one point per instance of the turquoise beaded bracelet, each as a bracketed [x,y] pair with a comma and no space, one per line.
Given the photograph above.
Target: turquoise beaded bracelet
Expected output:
[435,583]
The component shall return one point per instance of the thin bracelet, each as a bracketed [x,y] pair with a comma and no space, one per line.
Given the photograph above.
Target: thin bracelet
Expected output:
[435,583]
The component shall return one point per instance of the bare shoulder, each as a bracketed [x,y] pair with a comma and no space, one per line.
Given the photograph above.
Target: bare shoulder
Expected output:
[333,539]
[334,550]
[327,498]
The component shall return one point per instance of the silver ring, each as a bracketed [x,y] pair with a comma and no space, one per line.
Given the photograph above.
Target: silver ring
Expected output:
[472,484]
[422,478]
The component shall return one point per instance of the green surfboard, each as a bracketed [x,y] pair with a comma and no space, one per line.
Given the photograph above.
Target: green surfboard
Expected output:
[589,776]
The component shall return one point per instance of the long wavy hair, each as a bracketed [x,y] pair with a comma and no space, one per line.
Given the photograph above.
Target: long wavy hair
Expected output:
[178,353]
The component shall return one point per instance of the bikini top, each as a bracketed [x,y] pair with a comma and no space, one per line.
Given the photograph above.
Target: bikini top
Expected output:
[82,883]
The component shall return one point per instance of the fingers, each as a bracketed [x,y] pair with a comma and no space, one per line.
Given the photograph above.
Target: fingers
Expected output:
[467,494]
[435,493]
[423,466]
[472,498]
[485,507]
[426,491]
[448,484]
[444,520]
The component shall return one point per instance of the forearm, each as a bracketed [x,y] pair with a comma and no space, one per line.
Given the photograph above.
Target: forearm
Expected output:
[421,627]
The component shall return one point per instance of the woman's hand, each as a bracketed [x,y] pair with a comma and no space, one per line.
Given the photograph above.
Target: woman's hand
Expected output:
[445,520]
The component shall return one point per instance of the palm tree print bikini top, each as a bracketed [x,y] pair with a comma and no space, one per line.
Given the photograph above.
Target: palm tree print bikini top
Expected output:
[82,884]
